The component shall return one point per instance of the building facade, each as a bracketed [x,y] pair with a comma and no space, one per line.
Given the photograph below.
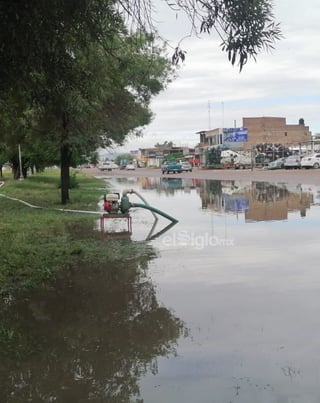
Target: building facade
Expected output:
[153,157]
[274,130]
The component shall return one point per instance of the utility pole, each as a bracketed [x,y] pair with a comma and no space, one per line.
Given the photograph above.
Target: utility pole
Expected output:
[20,163]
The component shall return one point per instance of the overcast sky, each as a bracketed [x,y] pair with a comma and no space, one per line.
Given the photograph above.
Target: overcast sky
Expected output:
[210,93]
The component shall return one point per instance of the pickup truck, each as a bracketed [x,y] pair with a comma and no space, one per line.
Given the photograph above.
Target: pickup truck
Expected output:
[242,163]
[171,166]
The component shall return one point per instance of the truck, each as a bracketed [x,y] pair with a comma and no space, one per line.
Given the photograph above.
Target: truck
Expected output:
[242,162]
[232,159]
[171,166]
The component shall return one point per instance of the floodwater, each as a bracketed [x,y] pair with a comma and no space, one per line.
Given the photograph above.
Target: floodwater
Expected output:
[223,307]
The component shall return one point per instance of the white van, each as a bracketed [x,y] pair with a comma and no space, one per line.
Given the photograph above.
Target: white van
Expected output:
[107,166]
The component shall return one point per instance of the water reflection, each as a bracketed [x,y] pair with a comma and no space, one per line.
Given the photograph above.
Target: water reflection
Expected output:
[241,269]
[258,201]
[87,338]
[103,334]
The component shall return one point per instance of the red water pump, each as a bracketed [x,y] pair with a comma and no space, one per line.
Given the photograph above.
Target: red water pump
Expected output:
[111,203]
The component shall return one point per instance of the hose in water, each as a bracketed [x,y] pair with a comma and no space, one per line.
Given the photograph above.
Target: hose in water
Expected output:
[155,210]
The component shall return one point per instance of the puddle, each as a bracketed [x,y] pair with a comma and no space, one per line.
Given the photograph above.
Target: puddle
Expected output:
[224,309]
[89,337]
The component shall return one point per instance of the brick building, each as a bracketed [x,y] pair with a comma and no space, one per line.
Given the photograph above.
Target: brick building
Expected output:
[275,130]
[264,129]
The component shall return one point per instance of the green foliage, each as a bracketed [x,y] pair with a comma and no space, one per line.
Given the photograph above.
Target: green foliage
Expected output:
[245,27]
[173,157]
[213,157]
[41,189]
[85,82]
[73,180]
[39,38]
[38,242]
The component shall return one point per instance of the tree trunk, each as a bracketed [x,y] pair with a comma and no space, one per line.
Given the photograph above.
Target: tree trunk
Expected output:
[65,172]
[16,169]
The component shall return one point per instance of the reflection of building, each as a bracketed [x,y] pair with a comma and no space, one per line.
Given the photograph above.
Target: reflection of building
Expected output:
[260,201]
[235,203]
[260,211]
[210,194]
[271,202]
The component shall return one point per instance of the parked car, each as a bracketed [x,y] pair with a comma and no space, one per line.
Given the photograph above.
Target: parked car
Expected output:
[277,164]
[130,167]
[292,162]
[171,166]
[107,166]
[311,161]
[186,166]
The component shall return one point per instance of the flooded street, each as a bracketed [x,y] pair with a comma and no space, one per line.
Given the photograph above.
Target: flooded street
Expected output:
[240,269]
[221,307]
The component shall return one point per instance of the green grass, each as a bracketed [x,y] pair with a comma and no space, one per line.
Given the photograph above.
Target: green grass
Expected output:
[43,190]
[36,243]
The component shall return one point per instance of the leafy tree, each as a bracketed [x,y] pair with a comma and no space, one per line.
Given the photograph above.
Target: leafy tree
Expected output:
[71,64]
[13,129]
[34,35]
[173,157]
[245,27]
[213,157]
[105,98]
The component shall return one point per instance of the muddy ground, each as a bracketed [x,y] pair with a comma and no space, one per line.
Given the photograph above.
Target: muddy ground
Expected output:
[304,176]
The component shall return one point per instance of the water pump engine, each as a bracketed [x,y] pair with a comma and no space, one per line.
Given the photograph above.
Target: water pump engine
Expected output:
[111,203]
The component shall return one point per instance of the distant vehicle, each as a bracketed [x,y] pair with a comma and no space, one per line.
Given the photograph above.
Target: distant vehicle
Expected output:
[107,166]
[292,162]
[311,161]
[130,167]
[171,166]
[186,166]
[229,154]
[85,166]
[277,164]
[262,160]
[242,162]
